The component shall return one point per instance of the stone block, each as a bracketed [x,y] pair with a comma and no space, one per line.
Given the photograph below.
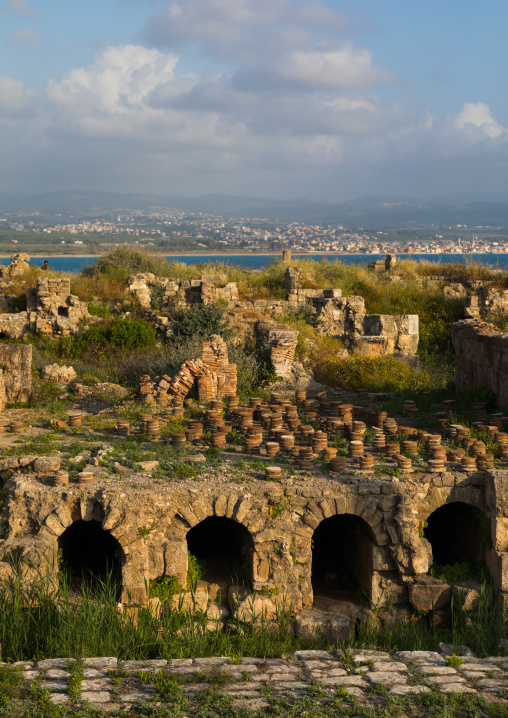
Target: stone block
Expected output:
[312,624]
[428,594]
[176,560]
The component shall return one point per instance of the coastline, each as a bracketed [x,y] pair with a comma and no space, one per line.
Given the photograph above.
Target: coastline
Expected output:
[277,254]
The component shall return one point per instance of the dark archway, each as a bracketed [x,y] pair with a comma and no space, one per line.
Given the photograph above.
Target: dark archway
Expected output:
[342,558]
[457,534]
[225,548]
[90,555]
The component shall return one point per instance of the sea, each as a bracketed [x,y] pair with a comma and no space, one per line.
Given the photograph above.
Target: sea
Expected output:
[259,261]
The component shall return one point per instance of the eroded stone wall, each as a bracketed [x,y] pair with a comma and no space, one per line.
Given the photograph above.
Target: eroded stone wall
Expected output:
[482,352]
[16,363]
[151,526]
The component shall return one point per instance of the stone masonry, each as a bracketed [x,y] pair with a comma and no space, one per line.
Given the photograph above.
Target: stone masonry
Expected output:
[116,686]
[483,301]
[392,513]
[345,319]
[51,309]
[215,375]
[482,352]
[211,288]
[16,363]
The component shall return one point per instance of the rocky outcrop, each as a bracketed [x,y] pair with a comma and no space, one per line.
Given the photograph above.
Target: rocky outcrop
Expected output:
[482,352]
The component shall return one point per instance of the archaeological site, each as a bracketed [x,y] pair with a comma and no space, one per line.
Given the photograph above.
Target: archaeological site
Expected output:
[324,502]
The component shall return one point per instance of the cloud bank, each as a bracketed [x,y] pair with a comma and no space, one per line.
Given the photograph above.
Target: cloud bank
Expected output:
[288,105]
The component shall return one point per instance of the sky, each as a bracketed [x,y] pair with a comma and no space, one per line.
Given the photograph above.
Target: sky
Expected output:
[321,99]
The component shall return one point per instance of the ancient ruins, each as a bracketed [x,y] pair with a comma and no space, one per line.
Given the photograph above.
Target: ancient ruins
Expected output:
[304,499]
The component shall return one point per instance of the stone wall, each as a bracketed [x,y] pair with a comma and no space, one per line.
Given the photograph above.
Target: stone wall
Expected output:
[482,352]
[214,374]
[344,318]
[151,525]
[211,288]
[281,341]
[51,309]
[16,363]
[483,301]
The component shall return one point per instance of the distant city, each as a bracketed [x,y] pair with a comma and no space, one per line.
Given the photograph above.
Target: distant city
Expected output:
[66,224]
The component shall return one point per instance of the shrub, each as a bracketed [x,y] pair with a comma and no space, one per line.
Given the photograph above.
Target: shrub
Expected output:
[18,304]
[132,333]
[120,263]
[98,310]
[121,334]
[385,373]
[200,320]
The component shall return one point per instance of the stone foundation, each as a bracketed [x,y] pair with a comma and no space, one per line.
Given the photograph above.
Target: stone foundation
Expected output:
[482,352]
[151,526]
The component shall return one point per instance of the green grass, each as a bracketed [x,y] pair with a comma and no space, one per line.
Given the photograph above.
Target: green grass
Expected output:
[35,624]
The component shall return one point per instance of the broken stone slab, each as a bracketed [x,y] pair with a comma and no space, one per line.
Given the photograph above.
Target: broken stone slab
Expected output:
[311,624]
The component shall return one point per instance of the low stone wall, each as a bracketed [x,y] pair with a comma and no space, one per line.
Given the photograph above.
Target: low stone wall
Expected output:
[482,351]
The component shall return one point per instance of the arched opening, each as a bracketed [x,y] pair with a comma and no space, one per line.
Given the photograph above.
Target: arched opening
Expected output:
[90,556]
[224,550]
[342,558]
[458,533]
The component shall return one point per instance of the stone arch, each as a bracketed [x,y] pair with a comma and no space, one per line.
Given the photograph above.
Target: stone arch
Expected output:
[226,548]
[90,554]
[457,532]
[342,557]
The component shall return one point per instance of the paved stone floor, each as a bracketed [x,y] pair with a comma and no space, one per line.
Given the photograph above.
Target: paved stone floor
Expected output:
[112,685]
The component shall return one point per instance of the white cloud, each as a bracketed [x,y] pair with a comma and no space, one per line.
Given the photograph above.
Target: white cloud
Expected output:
[349,67]
[120,80]
[478,115]
[129,122]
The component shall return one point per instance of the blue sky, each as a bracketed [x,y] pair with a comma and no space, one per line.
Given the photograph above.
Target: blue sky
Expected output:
[323,99]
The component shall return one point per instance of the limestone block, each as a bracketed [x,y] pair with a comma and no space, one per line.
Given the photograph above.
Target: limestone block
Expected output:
[247,606]
[59,374]
[312,624]
[47,464]
[468,593]
[190,601]
[176,560]
[428,593]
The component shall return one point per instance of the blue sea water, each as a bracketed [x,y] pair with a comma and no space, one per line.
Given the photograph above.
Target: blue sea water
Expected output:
[258,261]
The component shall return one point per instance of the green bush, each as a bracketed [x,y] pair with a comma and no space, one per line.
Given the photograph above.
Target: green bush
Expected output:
[164,588]
[96,309]
[121,334]
[120,263]
[200,320]
[18,304]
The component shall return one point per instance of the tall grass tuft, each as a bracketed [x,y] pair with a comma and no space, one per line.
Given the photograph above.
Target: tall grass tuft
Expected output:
[37,622]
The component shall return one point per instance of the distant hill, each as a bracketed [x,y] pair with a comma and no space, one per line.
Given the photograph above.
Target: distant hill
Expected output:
[379,211]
